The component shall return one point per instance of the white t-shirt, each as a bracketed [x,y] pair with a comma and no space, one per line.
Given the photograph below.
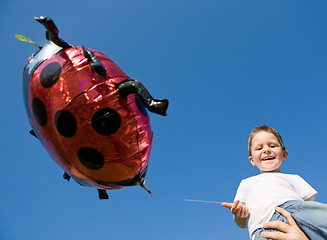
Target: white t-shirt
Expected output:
[264,192]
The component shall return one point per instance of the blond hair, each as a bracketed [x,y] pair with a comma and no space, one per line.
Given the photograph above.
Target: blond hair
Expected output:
[267,129]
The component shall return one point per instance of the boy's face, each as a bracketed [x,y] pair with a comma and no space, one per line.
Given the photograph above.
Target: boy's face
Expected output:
[267,154]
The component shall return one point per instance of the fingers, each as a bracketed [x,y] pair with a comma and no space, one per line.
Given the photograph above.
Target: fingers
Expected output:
[274,235]
[281,226]
[238,208]
[287,231]
[227,205]
[242,211]
[230,205]
[288,216]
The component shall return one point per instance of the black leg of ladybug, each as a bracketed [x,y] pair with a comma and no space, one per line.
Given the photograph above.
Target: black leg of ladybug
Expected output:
[66,176]
[142,184]
[135,86]
[103,194]
[52,31]
[33,133]
[96,64]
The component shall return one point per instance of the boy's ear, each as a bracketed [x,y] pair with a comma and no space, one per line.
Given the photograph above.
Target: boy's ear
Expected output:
[285,154]
[251,160]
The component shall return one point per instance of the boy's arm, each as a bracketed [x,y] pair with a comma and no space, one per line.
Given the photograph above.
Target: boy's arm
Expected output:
[240,211]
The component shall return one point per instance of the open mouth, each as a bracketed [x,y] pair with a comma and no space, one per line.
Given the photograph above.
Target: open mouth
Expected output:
[268,158]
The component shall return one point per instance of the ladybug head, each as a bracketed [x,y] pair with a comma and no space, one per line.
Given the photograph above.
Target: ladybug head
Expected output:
[35,61]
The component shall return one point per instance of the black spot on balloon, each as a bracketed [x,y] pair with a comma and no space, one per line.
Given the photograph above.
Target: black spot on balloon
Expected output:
[91,158]
[65,123]
[50,74]
[106,121]
[39,111]
[140,106]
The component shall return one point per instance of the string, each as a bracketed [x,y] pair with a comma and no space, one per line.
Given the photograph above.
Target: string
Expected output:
[186,200]
[202,201]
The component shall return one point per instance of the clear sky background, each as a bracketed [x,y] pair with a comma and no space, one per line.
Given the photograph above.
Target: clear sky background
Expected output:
[225,65]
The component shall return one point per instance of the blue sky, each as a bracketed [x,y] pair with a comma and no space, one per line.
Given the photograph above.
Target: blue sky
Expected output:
[226,66]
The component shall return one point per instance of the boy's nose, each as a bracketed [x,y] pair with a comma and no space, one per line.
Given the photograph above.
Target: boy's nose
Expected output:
[266,150]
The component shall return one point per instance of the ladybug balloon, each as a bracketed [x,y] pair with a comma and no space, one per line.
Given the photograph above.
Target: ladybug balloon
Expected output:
[88,114]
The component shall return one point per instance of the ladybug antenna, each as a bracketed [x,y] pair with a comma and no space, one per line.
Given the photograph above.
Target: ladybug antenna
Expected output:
[51,32]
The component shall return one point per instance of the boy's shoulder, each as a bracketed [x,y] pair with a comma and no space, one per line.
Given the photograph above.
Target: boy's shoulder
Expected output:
[251,178]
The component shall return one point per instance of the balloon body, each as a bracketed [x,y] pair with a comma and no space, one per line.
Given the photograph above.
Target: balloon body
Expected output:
[97,136]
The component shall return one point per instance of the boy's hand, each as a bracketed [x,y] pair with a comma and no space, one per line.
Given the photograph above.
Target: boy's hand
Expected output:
[238,208]
[287,231]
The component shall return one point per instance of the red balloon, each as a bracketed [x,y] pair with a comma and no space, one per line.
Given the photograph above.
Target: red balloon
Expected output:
[88,114]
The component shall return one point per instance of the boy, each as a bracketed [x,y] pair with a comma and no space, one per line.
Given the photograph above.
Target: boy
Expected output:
[258,196]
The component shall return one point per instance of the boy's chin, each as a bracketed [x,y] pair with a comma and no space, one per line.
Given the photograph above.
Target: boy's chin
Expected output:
[270,171]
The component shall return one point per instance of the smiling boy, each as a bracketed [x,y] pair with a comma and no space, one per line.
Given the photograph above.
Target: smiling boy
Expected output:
[258,196]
